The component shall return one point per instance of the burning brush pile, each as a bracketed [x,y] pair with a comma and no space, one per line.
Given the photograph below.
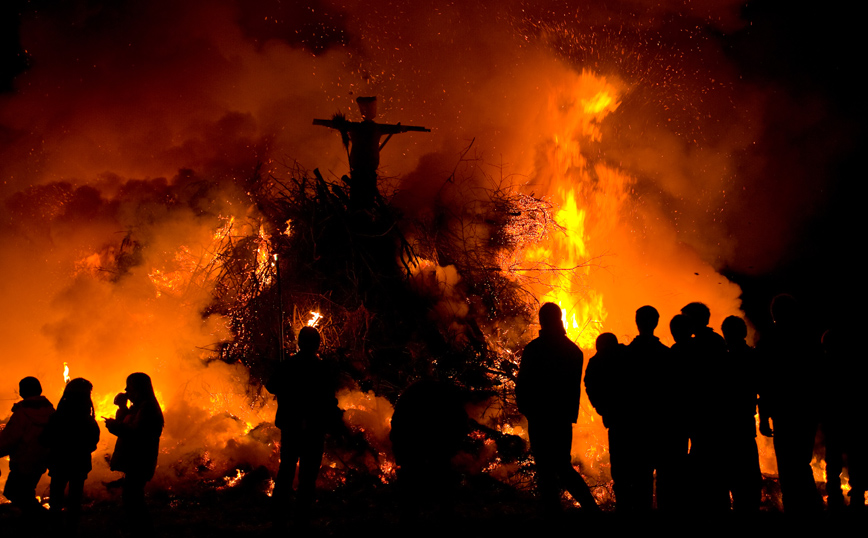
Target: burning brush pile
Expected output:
[397,300]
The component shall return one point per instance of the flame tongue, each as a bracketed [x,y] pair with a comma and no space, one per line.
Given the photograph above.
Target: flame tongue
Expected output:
[314,319]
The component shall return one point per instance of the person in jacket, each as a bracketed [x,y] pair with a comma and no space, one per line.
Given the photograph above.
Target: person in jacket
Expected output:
[19,440]
[707,412]
[71,437]
[741,464]
[306,409]
[607,384]
[548,392]
[653,399]
[138,428]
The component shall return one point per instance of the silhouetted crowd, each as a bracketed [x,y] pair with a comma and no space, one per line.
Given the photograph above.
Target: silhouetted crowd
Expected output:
[685,417]
[39,438]
[682,422]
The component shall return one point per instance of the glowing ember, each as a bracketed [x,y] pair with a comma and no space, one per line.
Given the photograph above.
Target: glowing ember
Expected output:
[232,481]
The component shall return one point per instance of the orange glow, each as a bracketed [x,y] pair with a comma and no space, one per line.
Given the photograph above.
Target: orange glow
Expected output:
[314,320]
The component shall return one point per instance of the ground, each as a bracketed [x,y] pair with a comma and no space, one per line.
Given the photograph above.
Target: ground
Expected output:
[480,508]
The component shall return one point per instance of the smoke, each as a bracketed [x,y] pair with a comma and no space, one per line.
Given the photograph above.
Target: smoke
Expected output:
[136,119]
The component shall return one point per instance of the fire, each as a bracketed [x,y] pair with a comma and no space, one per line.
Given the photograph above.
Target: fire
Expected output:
[232,481]
[66,372]
[315,317]
[565,260]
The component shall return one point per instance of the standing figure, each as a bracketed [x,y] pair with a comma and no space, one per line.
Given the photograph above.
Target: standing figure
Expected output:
[843,412]
[607,384]
[71,437]
[684,393]
[28,457]
[306,408]
[138,428]
[657,439]
[548,392]
[741,464]
[790,357]
[707,409]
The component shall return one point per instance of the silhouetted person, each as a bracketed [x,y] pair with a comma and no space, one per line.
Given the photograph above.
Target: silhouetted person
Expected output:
[429,425]
[306,409]
[610,382]
[602,376]
[364,141]
[683,390]
[71,437]
[842,414]
[28,457]
[741,460]
[790,357]
[138,428]
[707,410]
[548,392]
[657,422]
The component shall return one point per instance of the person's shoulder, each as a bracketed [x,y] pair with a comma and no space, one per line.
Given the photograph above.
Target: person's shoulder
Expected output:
[573,346]
[533,345]
[568,349]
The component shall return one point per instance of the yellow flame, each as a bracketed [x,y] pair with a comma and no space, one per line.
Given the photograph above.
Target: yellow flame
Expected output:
[601,102]
[66,372]
[314,319]
[565,257]
[232,481]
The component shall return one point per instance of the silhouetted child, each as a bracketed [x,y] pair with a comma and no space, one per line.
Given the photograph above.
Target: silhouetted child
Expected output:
[138,428]
[71,437]
[28,457]
[608,383]
[601,378]
[741,463]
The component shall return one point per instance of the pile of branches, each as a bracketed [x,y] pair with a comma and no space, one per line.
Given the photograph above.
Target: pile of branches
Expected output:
[360,270]
[372,276]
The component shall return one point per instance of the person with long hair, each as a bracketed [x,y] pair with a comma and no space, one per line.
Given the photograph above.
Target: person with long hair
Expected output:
[71,437]
[138,428]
